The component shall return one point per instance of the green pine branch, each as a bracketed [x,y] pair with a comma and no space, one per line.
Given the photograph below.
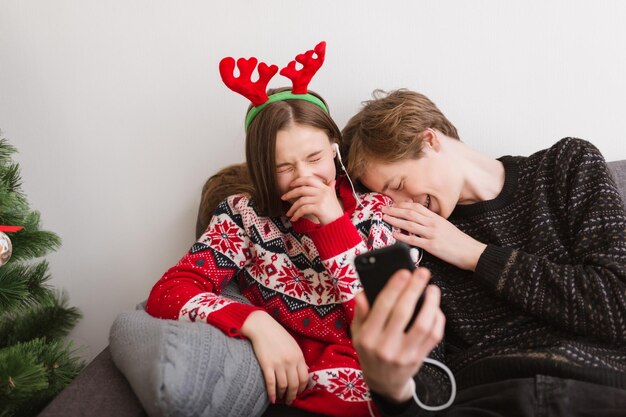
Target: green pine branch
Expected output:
[12,200]
[12,206]
[35,362]
[22,285]
[21,373]
[32,243]
[12,181]
[6,150]
[50,318]
[32,373]
[29,242]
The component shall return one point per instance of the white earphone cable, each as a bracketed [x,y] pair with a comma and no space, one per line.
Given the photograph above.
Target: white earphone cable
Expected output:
[414,389]
[447,370]
[356,197]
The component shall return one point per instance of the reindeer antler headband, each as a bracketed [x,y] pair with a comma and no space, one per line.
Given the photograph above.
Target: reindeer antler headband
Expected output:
[256,92]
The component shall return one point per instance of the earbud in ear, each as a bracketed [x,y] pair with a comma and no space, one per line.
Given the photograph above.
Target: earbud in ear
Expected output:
[356,196]
[336,146]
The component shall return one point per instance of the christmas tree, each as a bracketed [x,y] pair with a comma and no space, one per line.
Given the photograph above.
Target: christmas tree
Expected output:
[35,361]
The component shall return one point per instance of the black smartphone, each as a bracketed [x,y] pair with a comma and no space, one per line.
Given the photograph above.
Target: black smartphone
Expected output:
[377,266]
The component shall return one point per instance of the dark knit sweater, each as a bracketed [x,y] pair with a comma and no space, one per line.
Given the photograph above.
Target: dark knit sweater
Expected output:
[549,293]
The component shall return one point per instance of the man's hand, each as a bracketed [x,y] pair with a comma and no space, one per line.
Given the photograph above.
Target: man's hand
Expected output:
[436,235]
[315,198]
[281,359]
[388,356]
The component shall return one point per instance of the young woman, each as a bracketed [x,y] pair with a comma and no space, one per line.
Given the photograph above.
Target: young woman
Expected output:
[530,256]
[290,245]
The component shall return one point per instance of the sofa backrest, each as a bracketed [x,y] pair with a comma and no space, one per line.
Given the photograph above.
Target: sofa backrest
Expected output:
[618,170]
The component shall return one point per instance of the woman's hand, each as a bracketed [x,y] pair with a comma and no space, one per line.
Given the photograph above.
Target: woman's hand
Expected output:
[281,359]
[388,356]
[436,235]
[315,198]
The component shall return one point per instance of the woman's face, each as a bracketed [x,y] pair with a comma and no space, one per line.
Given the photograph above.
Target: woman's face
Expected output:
[303,151]
[429,180]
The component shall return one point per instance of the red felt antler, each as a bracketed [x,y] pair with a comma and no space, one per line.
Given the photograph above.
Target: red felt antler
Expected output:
[301,78]
[253,91]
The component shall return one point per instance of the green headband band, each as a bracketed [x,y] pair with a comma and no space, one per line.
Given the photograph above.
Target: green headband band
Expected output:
[283,95]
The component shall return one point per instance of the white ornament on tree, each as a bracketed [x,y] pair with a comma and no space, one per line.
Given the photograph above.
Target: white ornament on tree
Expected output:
[6,248]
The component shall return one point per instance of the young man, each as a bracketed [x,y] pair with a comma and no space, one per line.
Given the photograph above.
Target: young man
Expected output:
[530,257]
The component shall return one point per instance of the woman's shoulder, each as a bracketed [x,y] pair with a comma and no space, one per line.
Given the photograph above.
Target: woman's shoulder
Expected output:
[373,202]
[371,205]
[359,198]
[238,199]
[237,204]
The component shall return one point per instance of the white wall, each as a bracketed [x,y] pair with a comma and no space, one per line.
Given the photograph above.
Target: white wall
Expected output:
[119,113]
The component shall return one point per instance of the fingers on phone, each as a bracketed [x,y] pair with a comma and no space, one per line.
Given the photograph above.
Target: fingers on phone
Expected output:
[406,304]
[387,299]
[428,328]
[439,327]
[422,274]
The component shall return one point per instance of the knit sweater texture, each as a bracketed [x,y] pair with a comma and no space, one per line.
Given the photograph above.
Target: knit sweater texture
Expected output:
[302,274]
[549,292]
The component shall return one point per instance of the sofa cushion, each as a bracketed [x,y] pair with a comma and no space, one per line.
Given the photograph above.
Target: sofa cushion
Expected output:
[187,369]
[618,170]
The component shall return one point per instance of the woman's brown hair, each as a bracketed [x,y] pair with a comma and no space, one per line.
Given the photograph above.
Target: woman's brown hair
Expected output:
[389,128]
[261,145]
[257,177]
[233,179]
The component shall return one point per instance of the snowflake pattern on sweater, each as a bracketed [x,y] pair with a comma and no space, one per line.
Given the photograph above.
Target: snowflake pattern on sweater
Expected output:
[302,274]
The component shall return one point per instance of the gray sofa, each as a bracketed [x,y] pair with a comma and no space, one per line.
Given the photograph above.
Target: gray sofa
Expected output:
[101,390]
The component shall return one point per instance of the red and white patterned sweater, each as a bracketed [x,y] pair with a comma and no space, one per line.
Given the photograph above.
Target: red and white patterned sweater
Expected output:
[302,274]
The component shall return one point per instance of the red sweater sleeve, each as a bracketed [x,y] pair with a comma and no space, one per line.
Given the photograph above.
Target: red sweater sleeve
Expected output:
[190,289]
[339,242]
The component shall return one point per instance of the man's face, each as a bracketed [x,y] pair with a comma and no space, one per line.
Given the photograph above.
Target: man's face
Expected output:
[426,180]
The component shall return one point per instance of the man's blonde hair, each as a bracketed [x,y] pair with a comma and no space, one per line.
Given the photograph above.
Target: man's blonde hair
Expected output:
[389,128]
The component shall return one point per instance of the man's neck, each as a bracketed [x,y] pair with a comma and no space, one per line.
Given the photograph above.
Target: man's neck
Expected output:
[484,176]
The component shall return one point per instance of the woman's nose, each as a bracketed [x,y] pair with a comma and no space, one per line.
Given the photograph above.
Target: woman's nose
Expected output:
[302,170]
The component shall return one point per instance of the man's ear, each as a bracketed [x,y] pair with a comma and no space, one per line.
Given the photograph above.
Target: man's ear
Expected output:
[430,137]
